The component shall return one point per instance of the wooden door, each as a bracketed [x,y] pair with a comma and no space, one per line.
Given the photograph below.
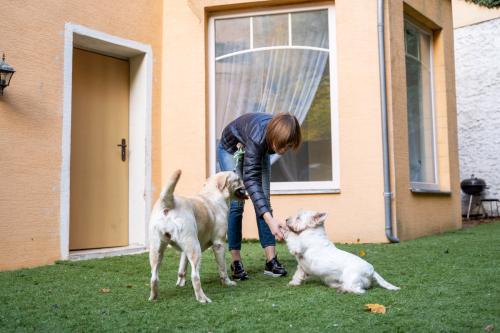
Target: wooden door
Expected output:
[99,177]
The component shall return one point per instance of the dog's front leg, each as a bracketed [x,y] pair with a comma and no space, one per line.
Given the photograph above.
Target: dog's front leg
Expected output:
[221,263]
[156,249]
[181,279]
[299,276]
[193,254]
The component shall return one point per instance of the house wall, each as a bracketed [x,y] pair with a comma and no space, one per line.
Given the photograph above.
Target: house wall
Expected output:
[32,107]
[31,115]
[355,213]
[467,13]
[419,214]
[477,50]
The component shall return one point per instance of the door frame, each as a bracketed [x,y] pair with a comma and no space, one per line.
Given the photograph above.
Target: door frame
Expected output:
[140,57]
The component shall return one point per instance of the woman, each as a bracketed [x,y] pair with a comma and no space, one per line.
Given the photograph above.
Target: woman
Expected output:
[245,147]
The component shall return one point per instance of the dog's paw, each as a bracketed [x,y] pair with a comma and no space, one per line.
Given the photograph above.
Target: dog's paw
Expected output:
[181,282]
[228,282]
[294,283]
[204,299]
[153,294]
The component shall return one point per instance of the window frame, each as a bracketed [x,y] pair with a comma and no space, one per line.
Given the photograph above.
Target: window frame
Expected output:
[425,186]
[332,186]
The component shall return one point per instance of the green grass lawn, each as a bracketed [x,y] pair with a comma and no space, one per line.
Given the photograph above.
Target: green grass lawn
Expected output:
[449,283]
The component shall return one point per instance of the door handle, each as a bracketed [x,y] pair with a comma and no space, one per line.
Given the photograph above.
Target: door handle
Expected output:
[123,146]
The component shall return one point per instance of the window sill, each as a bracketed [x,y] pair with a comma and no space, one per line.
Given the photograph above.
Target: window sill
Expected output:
[305,191]
[428,191]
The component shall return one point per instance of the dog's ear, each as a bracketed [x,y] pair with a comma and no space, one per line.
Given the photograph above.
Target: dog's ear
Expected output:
[317,220]
[222,181]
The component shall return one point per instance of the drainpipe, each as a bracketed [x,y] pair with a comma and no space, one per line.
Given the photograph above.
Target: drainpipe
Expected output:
[385,137]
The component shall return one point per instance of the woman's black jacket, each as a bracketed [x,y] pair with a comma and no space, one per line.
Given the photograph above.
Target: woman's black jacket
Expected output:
[250,130]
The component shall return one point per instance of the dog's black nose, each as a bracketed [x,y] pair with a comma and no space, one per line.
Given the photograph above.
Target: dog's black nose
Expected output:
[241,193]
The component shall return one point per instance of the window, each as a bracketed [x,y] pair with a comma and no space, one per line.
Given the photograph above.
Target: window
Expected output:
[280,61]
[420,107]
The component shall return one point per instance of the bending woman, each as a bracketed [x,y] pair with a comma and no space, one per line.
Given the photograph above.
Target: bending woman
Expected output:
[245,147]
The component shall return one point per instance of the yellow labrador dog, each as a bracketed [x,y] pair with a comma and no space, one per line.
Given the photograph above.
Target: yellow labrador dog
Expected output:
[317,256]
[192,225]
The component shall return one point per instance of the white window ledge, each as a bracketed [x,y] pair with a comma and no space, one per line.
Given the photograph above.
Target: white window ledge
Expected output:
[305,191]
[429,191]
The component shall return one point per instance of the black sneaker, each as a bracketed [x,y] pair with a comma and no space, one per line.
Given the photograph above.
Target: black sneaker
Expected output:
[238,272]
[274,268]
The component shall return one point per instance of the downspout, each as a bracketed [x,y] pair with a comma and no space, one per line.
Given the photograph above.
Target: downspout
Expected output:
[385,137]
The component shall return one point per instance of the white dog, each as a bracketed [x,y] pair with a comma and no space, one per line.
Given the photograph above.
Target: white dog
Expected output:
[191,225]
[317,256]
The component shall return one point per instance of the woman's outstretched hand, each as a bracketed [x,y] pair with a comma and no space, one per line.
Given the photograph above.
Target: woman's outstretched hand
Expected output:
[275,225]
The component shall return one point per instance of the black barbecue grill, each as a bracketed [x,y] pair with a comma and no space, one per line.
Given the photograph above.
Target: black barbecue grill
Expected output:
[472,186]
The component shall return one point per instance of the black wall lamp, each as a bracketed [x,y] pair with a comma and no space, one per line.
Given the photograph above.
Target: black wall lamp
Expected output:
[6,72]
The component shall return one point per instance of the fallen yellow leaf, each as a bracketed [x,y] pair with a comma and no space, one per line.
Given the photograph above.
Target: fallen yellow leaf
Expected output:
[489,328]
[104,290]
[375,308]
[361,253]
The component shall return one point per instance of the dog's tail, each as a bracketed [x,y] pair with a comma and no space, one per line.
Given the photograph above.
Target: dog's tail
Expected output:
[167,195]
[383,283]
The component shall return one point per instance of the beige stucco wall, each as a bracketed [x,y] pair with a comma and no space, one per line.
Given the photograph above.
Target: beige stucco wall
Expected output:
[467,13]
[358,211]
[31,111]
[424,214]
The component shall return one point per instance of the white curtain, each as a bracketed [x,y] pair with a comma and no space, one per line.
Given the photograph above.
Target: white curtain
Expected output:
[271,81]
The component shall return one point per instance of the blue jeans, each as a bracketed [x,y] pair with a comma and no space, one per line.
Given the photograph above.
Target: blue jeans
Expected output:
[226,162]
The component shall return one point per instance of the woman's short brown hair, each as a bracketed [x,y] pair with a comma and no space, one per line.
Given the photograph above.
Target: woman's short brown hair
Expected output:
[283,131]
